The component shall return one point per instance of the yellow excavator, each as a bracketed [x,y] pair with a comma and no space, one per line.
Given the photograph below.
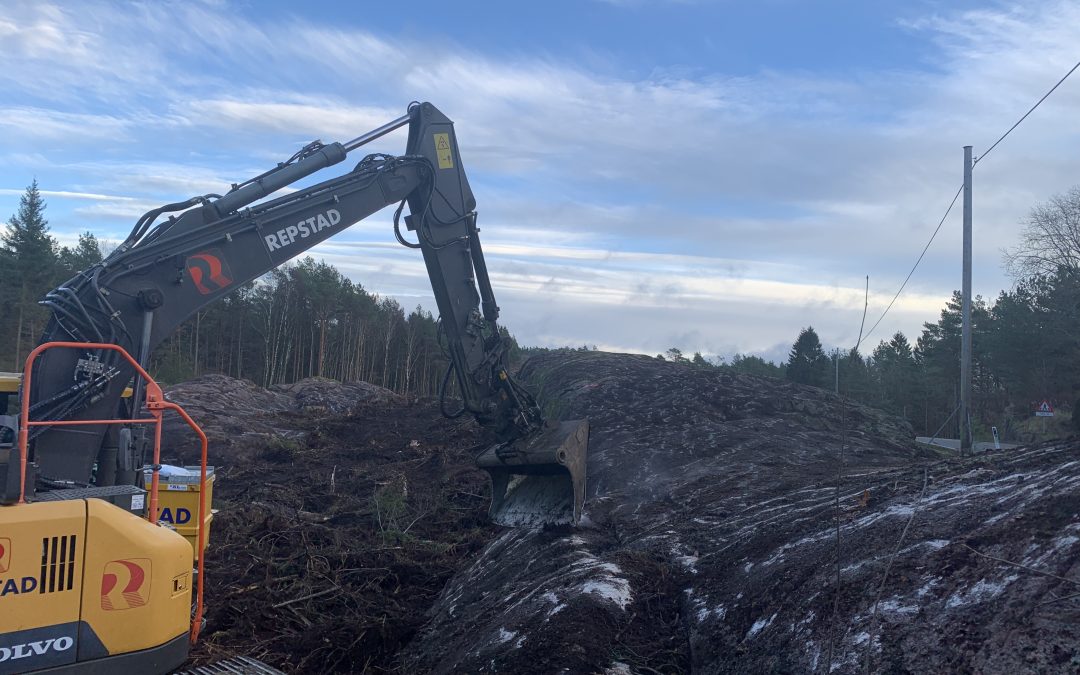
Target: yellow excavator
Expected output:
[91,580]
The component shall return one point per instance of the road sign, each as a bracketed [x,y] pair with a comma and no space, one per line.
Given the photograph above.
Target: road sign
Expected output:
[1044,410]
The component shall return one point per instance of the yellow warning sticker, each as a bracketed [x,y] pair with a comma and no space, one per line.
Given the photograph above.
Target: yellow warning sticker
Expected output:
[442,149]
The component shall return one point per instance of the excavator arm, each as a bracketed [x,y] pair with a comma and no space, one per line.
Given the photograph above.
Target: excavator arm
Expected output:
[204,248]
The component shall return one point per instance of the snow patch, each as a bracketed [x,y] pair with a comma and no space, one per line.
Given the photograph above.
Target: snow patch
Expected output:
[556,605]
[612,588]
[927,587]
[982,591]
[893,606]
[891,512]
[1065,542]
[506,635]
[759,625]
[994,519]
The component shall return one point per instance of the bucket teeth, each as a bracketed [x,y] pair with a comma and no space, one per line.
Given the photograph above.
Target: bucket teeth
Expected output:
[540,479]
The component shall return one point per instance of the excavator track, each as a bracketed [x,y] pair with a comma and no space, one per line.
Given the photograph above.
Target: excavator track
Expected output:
[239,665]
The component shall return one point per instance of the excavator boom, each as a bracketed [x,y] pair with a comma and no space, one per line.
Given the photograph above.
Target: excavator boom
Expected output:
[183,256]
[100,558]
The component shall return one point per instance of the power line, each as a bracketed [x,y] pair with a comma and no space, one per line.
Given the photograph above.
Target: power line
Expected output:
[916,265]
[957,195]
[1037,103]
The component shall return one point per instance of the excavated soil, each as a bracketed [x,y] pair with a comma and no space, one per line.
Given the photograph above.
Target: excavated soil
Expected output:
[335,530]
[351,537]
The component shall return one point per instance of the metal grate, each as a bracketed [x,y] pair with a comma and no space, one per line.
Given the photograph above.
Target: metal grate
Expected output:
[87,493]
[57,564]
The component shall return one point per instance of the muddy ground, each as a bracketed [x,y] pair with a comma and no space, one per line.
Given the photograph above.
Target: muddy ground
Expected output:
[353,541]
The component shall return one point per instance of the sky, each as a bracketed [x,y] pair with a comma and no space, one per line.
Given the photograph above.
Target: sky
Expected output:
[707,175]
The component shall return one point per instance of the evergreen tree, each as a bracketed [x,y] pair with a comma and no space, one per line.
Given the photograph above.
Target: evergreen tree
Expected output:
[323,288]
[71,261]
[855,377]
[675,354]
[27,270]
[755,365]
[807,363]
[896,374]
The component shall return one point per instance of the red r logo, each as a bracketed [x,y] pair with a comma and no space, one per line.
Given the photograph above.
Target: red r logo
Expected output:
[209,271]
[5,554]
[125,584]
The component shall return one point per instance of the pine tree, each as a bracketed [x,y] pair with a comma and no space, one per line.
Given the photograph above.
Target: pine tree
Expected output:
[675,355]
[755,365]
[74,260]
[807,363]
[27,270]
[897,374]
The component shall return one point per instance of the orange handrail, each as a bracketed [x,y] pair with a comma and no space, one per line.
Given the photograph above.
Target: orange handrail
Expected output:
[155,405]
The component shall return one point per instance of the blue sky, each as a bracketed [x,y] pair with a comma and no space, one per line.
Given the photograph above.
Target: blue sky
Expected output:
[707,175]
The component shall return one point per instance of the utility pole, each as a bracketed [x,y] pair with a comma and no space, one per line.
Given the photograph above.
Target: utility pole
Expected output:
[965,316]
[836,357]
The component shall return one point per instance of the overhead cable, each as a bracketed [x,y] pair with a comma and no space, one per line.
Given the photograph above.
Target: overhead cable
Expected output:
[1024,117]
[957,195]
[916,265]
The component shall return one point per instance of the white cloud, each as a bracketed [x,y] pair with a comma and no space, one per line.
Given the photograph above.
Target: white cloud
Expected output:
[731,210]
[37,124]
[331,121]
[63,194]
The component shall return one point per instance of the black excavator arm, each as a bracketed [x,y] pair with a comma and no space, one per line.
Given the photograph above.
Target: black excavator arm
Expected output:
[206,247]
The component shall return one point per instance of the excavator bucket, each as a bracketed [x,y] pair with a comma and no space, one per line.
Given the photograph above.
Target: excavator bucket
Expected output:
[539,479]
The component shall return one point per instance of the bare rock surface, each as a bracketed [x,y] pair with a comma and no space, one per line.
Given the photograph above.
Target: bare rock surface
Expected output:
[709,543]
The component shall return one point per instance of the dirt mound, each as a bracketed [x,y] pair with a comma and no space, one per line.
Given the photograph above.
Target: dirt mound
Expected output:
[214,396]
[233,413]
[238,415]
[321,395]
[710,544]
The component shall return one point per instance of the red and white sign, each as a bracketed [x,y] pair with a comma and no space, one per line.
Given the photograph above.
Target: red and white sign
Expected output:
[1044,410]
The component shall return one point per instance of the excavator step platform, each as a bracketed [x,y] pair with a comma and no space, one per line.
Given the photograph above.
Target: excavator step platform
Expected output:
[239,665]
[128,497]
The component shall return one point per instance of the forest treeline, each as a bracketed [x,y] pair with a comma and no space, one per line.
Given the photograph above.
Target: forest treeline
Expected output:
[306,319]
[1026,344]
[1024,351]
